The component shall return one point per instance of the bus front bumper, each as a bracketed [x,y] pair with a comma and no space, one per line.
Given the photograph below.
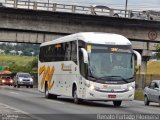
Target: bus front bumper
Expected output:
[109,96]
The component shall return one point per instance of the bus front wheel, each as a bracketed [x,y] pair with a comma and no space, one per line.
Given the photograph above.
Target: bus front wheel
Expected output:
[75,97]
[117,103]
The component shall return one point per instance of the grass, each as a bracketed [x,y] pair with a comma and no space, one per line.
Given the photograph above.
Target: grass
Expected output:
[153,67]
[5,60]
[139,95]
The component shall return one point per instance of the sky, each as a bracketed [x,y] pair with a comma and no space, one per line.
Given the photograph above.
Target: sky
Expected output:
[117,4]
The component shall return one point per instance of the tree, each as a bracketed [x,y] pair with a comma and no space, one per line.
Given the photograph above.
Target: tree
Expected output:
[33,65]
[16,68]
[158,51]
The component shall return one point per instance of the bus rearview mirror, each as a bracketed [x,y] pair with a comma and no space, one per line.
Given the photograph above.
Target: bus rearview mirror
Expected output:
[85,55]
[139,58]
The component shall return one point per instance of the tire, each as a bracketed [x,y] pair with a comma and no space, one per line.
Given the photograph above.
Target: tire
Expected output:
[27,86]
[54,96]
[117,103]
[47,94]
[31,86]
[14,85]
[146,101]
[75,97]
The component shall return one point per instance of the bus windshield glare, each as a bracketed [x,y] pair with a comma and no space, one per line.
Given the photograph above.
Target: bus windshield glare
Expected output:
[111,61]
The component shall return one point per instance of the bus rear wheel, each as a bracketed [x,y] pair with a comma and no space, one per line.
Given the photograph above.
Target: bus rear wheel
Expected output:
[117,103]
[47,94]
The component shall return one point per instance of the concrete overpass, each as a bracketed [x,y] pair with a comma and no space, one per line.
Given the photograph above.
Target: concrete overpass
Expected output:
[32,26]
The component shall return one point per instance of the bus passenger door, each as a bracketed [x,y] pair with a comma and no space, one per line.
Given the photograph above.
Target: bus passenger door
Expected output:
[83,74]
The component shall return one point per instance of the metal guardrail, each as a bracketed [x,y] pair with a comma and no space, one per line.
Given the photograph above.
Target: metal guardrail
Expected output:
[81,9]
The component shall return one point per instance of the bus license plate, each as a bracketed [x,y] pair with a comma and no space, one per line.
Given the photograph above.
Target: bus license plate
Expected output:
[111,96]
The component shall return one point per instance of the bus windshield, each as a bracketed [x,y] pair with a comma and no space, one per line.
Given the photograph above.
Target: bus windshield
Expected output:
[106,62]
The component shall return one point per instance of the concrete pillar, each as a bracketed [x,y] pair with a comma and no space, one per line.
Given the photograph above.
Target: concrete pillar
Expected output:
[15,3]
[111,12]
[143,69]
[54,7]
[73,8]
[146,54]
[35,6]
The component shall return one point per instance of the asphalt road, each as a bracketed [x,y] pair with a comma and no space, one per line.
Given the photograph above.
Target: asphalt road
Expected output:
[32,102]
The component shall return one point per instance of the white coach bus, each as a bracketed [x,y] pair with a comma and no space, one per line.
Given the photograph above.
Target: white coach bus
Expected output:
[88,66]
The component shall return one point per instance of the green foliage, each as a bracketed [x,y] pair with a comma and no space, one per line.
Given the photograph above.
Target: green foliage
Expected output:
[17,63]
[153,67]
[136,69]
[33,65]
[158,51]
[24,47]
[139,95]
[16,68]
[6,60]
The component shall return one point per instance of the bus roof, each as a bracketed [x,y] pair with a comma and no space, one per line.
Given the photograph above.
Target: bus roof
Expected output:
[92,37]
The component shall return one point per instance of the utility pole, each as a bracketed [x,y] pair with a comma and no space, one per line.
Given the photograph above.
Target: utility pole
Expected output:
[126,8]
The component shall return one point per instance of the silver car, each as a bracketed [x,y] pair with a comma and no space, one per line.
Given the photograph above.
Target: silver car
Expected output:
[152,92]
[23,79]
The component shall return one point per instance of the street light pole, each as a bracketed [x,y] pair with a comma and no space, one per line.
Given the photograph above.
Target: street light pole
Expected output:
[126,8]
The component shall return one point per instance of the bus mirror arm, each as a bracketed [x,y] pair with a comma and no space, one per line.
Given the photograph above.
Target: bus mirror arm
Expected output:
[139,58]
[85,55]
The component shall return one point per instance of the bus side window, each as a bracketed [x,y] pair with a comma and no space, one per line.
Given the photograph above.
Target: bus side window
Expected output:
[82,65]
[74,52]
[41,55]
[68,51]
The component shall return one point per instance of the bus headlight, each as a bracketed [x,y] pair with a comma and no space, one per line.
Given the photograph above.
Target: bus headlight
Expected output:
[130,88]
[92,87]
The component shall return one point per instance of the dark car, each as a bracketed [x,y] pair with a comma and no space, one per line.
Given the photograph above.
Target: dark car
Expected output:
[152,92]
[6,80]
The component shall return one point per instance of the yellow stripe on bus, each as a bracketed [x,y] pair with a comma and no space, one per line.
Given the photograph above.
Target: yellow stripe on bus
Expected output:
[47,76]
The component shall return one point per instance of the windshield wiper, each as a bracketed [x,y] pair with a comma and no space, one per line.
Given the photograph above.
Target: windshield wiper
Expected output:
[129,78]
[92,77]
[125,80]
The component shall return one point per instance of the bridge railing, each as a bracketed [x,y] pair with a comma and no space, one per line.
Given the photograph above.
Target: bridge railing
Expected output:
[145,15]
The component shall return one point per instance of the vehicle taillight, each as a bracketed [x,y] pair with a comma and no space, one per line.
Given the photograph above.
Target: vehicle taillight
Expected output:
[3,81]
[11,81]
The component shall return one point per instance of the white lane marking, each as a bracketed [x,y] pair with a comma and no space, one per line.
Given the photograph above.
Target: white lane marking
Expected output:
[14,93]
[55,101]
[18,110]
